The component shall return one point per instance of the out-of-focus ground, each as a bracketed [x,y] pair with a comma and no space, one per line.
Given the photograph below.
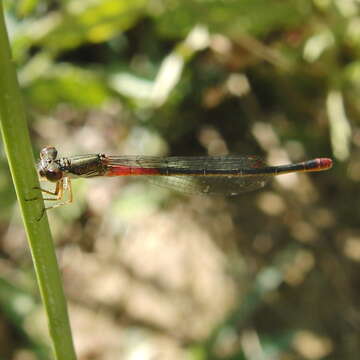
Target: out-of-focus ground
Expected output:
[153,274]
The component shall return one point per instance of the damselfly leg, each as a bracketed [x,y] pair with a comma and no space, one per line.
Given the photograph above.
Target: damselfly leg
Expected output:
[63,190]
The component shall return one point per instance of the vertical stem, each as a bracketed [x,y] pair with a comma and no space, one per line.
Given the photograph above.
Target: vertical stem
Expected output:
[17,145]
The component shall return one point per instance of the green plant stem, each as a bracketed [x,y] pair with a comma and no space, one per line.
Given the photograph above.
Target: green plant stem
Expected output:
[18,149]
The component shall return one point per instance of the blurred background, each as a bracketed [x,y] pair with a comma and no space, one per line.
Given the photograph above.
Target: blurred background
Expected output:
[153,274]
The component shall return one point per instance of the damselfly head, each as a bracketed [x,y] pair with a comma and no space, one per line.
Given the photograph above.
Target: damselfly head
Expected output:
[48,167]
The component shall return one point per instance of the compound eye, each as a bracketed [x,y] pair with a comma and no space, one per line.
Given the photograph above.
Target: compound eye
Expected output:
[53,175]
[48,152]
[42,173]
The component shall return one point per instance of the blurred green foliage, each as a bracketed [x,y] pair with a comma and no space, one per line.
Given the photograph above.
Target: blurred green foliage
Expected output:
[209,76]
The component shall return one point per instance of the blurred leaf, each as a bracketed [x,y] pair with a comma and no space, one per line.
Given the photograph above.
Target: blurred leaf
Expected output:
[17,304]
[92,21]
[339,125]
[26,7]
[67,83]
[234,17]
[317,44]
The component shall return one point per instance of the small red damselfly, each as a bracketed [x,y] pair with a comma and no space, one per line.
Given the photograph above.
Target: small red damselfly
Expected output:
[223,175]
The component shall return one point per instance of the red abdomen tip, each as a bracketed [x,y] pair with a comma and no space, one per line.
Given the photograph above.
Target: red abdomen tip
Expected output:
[325,163]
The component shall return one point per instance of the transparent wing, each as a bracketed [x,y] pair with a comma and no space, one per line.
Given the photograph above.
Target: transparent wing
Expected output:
[213,185]
[197,175]
[207,163]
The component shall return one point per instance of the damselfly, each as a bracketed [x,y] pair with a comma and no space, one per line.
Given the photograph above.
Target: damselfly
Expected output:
[223,175]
